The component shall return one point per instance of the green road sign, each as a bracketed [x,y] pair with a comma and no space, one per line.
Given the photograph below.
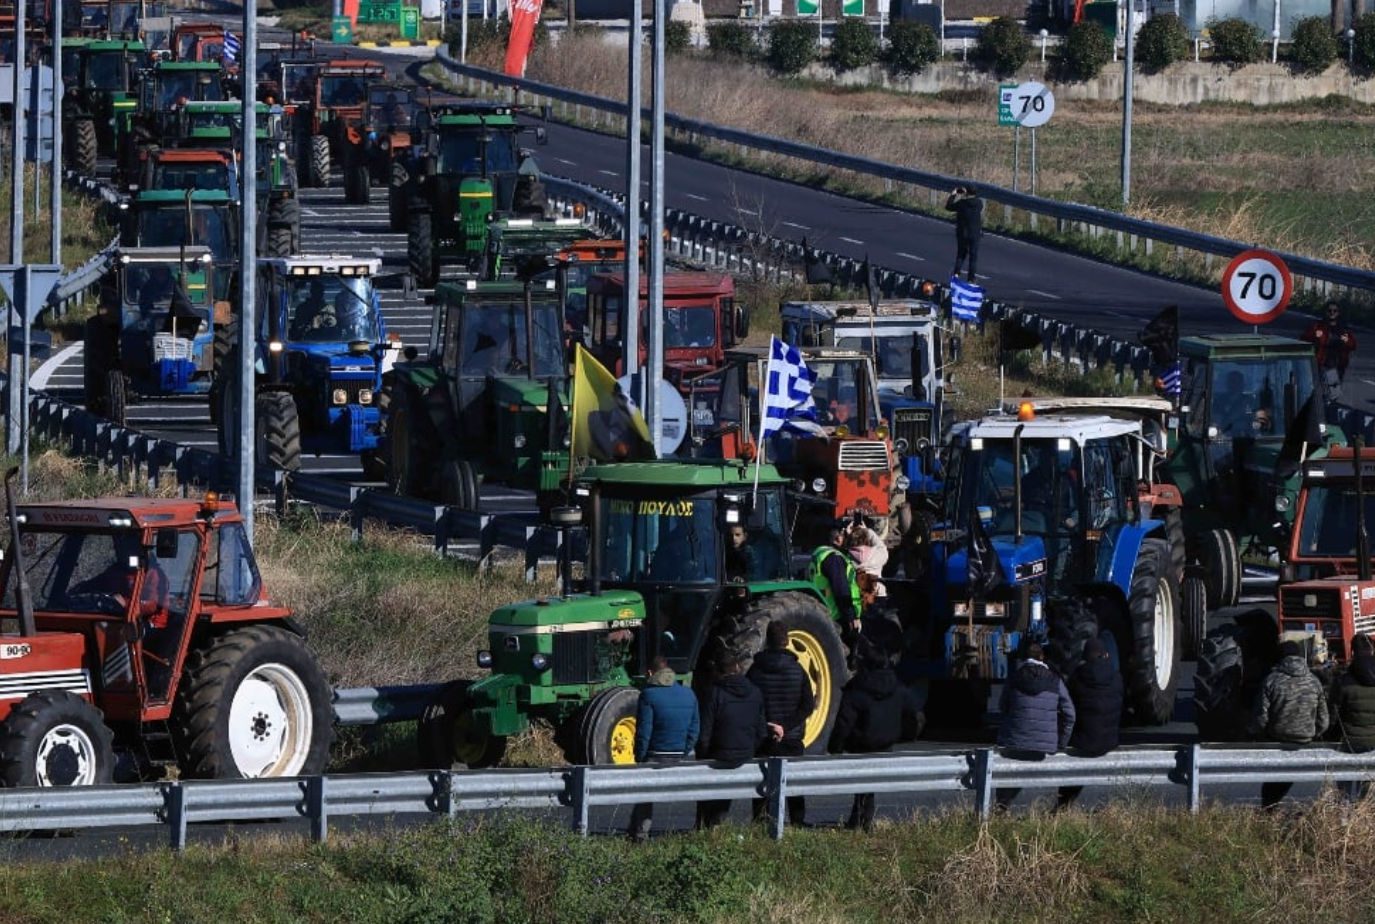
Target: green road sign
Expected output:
[342,30]
[410,22]
[852,8]
[1006,91]
[808,7]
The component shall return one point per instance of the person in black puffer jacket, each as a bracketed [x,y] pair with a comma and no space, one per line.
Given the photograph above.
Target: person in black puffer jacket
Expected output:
[733,728]
[788,702]
[1038,715]
[1096,689]
[870,716]
[1353,701]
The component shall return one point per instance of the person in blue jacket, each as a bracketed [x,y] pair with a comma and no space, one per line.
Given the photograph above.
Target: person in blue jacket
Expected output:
[667,724]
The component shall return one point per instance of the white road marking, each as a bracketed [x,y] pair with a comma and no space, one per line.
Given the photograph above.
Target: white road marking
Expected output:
[741,211]
[850,240]
[793,224]
[911,256]
[609,172]
[1043,294]
[697,197]
[571,163]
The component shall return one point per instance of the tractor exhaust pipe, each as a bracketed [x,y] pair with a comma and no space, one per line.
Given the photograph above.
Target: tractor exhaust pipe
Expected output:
[1017,483]
[23,597]
[1362,539]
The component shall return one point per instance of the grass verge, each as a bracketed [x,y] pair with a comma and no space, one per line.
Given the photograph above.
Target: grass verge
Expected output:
[1126,862]
[84,229]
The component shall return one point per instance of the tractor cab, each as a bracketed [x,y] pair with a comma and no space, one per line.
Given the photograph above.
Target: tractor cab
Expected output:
[1043,537]
[528,247]
[171,84]
[198,41]
[380,135]
[577,264]
[99,101]
[490,399]
[190,218]
[185,169]
[686,561]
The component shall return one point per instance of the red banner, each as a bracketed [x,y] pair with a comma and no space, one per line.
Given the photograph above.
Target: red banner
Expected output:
[524,17]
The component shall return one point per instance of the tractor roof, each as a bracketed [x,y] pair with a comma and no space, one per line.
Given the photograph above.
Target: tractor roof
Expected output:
[504,289]
[678,284]
[189,253]
[1079,428]
[696,474]
[1242,344]
[122,512]
[817,353]
[231,106]
[824,312]
[178,197]
[200,27]
[161,66]
[473,115]
[190,156]
[316,264]
[98,45]
[1129,408]
[593,249]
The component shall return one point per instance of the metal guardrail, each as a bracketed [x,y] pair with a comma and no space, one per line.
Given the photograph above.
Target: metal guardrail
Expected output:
[381,705]
[1063,213]
[580,790]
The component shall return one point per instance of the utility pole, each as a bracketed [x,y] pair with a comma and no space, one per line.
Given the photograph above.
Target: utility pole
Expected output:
[653,413]
[55,202]
[14,406]
[632,204]
[248,258]
[1127,110]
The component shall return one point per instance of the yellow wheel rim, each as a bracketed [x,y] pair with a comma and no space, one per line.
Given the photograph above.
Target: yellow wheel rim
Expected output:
[470,745]
[623,741]
[812,656]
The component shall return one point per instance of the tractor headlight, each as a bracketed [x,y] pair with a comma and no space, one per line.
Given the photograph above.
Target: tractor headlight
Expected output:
[365,396]
[900,445]
[518,441]
[1281,503]
[539,661]
[819,485]
[901,482]
[275,346]
[567,440]
[484,659]
[341,396]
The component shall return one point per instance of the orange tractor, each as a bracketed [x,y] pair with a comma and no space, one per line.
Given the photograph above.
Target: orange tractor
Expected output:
[143,630]
[329,96]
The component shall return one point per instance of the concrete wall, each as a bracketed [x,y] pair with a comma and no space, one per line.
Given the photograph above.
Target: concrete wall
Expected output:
[1181,84]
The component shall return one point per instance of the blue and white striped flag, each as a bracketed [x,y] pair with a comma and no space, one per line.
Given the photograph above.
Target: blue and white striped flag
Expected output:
[231,48]
[966,298]
[788,392]
[1168,380]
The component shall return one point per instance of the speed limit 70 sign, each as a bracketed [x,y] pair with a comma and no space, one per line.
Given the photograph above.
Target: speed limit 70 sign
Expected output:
[1256,286]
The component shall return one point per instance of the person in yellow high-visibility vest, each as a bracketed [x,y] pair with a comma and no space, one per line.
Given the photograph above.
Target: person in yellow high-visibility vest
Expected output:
[836,579]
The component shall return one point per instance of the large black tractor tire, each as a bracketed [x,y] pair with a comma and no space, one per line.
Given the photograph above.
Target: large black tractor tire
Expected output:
[224,409]
[1153,656]
[97,358]
[1174,535]
[1072,622]
[397,192]
[446,738]
[56,739]
[459,485]
[283,227]
[420,250]
[1193,605]
[253,703]
[116,398]
[1220,561]
[375,460]
[280,242]
[812,636]
[362,184]
[317,168]
[278,426]
[85,148]
[399,447]
[606,728]
[1232,664]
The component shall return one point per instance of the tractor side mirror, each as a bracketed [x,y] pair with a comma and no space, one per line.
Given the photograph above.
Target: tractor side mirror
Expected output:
[742,322]
[758,517]
[918,373]
[165,543]
[956,347]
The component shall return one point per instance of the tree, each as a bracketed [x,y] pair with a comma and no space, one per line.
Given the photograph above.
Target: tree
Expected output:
[1235,41]
[1086,49]
[912,46]
[1003,47]
[792,46]
[677,36]
[1315,47]
[731,39]
[1363,53]
[853,45]
[1162,41]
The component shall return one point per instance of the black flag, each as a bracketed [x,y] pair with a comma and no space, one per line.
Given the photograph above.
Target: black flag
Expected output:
[1306,428]
[815,272]
[985,570]
[1161,337]
[1013,337]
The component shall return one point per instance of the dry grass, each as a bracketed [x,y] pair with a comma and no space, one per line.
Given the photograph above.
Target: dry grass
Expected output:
[84,229]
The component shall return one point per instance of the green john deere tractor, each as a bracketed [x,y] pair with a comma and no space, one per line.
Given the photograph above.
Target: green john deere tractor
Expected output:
[100,101]
[661,581]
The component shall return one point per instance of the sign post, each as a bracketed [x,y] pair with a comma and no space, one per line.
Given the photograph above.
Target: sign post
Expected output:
[1024,105]
[1256,286]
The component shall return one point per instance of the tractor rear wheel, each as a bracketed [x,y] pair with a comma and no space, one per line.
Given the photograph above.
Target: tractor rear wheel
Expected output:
[278,442]
[56,739]
[397,192]
[401,472]
[420,250]
[446,737]
[85,148]
[253,703]
[1152,665]
[362,185]
[1221,565]
[813,638]
[1174,535]
[116,397]
[1232,663]
[606,727]
[97,356]
[318,167]
[1072,623]
[1193,597]
[279,242]
[459,485]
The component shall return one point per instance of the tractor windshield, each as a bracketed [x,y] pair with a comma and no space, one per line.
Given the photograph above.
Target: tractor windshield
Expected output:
[345,90]
[462,152]
[689,326]
[390,107]
[185,86]
[842,395]
[104,70]
[1051,486]
[668,540]
[330,309]
[150,286]
[168,227]
[78,572]
[1328,528]
[494,341]
[203,119]
[1257,397]
[189,175]
[893,358]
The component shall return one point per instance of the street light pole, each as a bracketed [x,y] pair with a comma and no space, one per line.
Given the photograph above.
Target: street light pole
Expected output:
[653,413]
[632,202]
[248,258]
[1127,109]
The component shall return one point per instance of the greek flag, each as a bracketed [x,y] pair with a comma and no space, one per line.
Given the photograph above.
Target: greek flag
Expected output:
[966,299]
[231,48]
[1168,380]
[788,392]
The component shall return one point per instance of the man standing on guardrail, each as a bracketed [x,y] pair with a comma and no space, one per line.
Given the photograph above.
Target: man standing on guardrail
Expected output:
[969,227]
[1335,342]
[666,727]
[733,728]
[788,703]
[1290,709]
[1038,715]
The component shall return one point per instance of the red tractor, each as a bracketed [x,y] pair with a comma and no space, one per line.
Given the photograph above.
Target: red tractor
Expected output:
[336,94]
[143,629]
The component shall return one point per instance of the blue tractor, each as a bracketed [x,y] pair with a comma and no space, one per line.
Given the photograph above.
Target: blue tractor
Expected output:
[1047,534]
[321,349]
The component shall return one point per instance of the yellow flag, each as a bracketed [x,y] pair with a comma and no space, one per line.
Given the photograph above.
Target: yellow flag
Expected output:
[606,426]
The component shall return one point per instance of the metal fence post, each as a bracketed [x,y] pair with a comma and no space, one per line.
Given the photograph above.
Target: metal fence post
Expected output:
[1195,795]
[317,809]
[776,794]
[578,791]
[176,815]
[983,782]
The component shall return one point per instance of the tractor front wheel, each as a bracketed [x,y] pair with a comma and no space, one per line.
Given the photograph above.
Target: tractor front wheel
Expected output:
[253,703]
[1220,562]
[1193,601]
[447,738]
[362,185]
[606,730]
[420,250]
[85,148]
[1232,663]
[396,199]
[116,397]
[1152,668]
[55,739]
[460,485]
[318,167]
[278,427]
[401,474]
[97,356]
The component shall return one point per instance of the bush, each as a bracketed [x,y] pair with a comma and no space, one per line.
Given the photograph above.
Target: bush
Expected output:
[731,39]
[1315,47]
[911,47]
[677,37]
[1086,49]
[853,45]
[495,34]
[1235,42]
[792,46]
[1363,54]
[1162,41]
[1003,47]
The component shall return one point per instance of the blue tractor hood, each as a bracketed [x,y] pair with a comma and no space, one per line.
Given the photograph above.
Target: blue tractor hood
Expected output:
[1017,563]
